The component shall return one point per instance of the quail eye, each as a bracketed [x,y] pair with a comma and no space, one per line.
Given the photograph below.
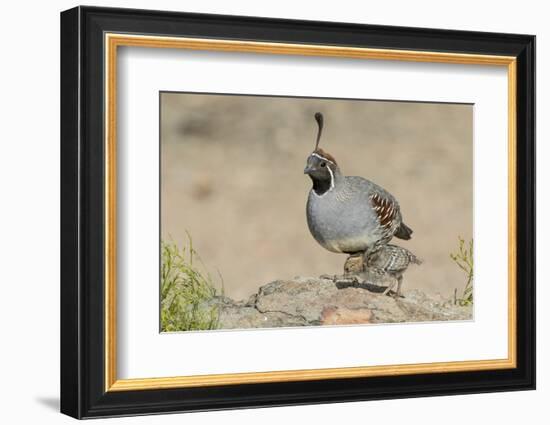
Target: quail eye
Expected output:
[323,164]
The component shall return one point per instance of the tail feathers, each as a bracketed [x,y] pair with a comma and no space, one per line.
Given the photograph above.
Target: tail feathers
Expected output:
[414,259]
[404,232]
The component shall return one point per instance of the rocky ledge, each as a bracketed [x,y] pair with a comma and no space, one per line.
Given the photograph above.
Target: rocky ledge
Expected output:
[323,301]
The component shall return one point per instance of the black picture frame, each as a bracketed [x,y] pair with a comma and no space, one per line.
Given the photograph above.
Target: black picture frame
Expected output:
[83,392]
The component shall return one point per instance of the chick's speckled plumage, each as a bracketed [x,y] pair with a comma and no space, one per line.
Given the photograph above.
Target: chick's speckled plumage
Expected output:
[392,260]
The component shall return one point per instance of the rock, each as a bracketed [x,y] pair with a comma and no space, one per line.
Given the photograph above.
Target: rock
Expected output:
[345,316]
[304,298]
[249,317]
[320,301]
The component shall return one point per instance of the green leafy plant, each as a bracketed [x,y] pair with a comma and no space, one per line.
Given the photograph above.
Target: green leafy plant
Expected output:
[186,290]
[464,258]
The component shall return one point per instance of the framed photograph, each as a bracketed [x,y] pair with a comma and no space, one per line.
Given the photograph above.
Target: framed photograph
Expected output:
[261,212]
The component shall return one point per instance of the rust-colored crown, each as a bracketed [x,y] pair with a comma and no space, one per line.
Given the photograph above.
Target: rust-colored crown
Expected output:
[325,155]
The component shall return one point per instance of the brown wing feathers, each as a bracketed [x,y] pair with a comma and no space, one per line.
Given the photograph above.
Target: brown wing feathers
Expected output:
[385,209]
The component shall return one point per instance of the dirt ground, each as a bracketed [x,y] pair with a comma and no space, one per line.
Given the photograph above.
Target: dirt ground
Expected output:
[232,176]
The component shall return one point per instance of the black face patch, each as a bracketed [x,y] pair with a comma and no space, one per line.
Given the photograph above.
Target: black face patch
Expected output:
[321,171]
[321,185]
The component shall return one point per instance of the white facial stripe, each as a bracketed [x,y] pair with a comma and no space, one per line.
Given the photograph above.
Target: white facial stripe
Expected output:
[331,178]
[321,157]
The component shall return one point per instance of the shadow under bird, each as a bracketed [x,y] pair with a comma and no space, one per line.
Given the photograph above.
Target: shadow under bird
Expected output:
[349,214]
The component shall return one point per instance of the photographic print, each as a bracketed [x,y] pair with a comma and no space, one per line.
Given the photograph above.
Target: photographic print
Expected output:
[286,211]
[312,214]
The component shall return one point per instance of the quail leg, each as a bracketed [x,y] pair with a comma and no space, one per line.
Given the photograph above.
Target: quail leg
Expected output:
[399,282]
[390,287]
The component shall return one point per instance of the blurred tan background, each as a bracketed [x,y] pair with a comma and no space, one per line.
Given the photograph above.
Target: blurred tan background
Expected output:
[232,176]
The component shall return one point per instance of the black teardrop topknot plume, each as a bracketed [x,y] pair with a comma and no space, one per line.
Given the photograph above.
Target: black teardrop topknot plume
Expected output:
[319,119]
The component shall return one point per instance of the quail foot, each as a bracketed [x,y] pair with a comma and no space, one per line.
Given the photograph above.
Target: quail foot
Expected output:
[348,214]
[392,260]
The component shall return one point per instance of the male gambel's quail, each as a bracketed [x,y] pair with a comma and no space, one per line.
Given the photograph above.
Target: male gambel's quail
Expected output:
[392,260]
[348,214]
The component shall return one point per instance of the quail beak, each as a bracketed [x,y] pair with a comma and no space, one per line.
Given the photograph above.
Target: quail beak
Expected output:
[308,169]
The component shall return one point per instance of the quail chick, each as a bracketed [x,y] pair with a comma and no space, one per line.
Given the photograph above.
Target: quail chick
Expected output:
[392,260]
[348,214]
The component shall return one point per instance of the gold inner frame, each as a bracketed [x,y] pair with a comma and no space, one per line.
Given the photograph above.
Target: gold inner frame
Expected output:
[113,41]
